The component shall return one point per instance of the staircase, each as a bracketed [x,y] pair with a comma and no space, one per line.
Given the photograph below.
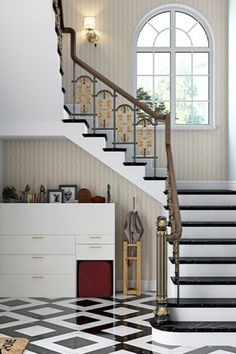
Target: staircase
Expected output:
[205,313]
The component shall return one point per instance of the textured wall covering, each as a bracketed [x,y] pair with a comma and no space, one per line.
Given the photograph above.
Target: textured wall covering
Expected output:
[199,155]
[54,162]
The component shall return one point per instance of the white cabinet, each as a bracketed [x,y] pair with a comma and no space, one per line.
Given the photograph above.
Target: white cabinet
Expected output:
[41,243]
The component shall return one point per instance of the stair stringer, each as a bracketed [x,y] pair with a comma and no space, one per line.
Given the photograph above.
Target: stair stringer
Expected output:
[94,146]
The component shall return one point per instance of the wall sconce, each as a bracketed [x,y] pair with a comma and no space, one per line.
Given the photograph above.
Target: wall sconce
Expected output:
[89,25]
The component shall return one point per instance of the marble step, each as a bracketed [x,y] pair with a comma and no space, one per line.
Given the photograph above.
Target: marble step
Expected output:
[207,199]
[205,260]
[135,163]
[209,224]
[205,280]
[209,216]
[206,191]
[207,241]
[204,269]
[205,207]
[203,302]
[207,250]
[84,121]
[95,136]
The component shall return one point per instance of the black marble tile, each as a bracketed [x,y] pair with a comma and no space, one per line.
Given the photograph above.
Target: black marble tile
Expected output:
[207,241]
[172,326]
[81,320]
[85,303]
[206,191]
[205,280]
[75,343]
[15,303]
[6,319]
[209,223]
[207,302]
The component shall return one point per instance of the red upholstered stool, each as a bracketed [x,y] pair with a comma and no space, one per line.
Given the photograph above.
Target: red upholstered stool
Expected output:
[94,279]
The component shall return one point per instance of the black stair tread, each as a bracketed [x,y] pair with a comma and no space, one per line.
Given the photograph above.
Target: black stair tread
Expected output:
[207,241]
[89,135]
[208,223]
[205,280]
[205,260]
[135,163]
[154,178]
[84,121]
[172,326]
[205,207]
[202,302]
[206,191]
[115,149]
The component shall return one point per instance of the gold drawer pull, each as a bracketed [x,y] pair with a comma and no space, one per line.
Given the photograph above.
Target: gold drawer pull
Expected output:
[38,257]
[95,247]
[38,237]
[37,277]
[95,237]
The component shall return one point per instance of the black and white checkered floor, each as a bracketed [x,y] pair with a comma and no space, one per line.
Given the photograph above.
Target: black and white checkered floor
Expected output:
[95,326]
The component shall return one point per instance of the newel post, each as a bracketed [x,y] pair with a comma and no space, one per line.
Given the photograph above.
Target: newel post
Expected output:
[162,312]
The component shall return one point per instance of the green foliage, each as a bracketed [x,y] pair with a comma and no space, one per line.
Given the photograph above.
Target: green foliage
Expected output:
[9,192]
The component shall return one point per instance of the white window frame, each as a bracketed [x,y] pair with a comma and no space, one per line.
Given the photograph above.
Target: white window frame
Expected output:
[172,50]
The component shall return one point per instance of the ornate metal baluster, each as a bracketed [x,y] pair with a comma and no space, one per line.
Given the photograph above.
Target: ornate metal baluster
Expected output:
[114,119]
[74,89]
[135,127]
[155,147]
[94,105]
[162,311]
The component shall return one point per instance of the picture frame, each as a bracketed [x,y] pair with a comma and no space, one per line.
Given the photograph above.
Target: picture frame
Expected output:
[70,191]
[55,196]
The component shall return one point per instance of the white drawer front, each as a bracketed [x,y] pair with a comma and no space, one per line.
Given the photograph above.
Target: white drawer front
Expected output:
[37,264]
[94,252]
[95,239]
[37,286]
[37,244]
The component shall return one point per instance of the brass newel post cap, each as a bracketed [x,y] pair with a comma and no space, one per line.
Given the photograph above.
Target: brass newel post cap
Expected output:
[162,223]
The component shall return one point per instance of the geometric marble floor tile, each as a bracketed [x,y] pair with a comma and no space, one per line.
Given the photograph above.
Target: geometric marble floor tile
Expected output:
[35,330]
[85,304]
[121,331]
[11,319]
[13,304]
[45,311]
[121,311]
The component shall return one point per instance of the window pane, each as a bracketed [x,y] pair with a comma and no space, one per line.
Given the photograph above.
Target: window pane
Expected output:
[182,39]
[146,36]
[146,83]
[160,22]
[198,36]
[184,21]
[183,113]
[162,64]
[145,63]
[200,88]
[162,88]
[183,88]
[183,63]
[200,64]
[163,39]
[200,113]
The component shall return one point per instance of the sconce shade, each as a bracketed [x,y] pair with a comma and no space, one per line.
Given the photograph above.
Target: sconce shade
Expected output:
[89,22]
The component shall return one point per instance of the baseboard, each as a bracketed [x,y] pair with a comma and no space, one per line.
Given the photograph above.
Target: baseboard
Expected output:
[147,285]
[206,185]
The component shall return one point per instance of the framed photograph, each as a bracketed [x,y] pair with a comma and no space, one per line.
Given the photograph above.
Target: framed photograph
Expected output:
[55,196]
[69,192]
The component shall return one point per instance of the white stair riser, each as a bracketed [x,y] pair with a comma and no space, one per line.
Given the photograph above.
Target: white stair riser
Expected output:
[194,339]
[204,314]
[207,291]
[218,199]
[208,215]
[204,270]
[209,232]
[208,250]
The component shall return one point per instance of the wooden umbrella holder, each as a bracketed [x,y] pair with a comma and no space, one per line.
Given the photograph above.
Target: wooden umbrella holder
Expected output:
[136,262]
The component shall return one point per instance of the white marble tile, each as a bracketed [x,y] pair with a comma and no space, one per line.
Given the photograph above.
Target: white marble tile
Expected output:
[121,311]
[121,352]
[46,311]
[15,319]
[35,331]
[121,331]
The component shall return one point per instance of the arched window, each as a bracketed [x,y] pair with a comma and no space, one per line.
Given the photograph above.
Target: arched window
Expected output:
[175,65]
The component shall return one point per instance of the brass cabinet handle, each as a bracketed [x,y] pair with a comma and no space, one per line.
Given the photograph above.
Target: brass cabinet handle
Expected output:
[37,257]
[95,237]
[38,277]
[95,247]
[37,237]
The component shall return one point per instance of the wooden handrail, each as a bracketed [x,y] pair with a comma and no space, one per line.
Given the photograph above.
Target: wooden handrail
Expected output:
[170,166]
[172,183]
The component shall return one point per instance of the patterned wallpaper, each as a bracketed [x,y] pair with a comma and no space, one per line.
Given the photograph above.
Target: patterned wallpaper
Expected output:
[54,162]
[199,155]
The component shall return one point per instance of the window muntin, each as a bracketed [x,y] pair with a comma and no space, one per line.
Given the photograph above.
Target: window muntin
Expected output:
[174,67]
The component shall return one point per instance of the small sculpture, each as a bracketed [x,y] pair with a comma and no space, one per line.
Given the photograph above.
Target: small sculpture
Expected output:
[108,193]
[42,194]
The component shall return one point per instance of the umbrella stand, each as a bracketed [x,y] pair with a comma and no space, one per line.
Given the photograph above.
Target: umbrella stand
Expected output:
[136,262]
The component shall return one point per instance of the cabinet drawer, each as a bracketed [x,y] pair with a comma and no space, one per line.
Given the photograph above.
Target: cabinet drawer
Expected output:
[37,244]
[37,286]
[95,239]
[94,252]
[37,264]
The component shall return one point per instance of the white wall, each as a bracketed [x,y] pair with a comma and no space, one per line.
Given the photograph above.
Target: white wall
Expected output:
[232,90]
[1,167]
[30,85]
